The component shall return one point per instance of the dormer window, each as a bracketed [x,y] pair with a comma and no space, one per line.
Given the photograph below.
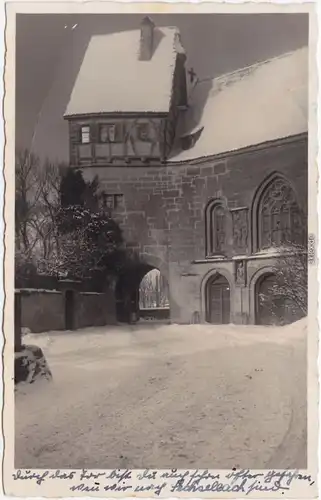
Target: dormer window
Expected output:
[111,133]
[189,140]
[143,131]
[85,134]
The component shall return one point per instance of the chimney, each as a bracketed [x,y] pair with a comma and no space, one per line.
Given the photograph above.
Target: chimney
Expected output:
[146,39]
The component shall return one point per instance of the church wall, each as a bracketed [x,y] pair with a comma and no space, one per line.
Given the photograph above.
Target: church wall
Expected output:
[162,208]
[162,211]
[188,288]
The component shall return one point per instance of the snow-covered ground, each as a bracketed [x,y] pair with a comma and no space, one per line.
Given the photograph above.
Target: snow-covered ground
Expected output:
[165,396]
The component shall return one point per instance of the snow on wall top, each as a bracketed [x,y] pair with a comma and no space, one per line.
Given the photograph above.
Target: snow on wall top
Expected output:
[113,79]
[264,102]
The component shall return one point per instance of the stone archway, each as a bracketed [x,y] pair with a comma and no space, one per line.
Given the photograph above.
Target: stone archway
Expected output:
[269,309]
[127,287]
[279,310]
[254,279]
[154,262]
[153,297]
[218,300]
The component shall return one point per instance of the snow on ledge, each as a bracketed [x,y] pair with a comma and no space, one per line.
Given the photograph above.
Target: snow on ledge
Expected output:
[36,290]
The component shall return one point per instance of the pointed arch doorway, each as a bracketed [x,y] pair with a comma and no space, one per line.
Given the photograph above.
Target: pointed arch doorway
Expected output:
[270,310]
[218,305]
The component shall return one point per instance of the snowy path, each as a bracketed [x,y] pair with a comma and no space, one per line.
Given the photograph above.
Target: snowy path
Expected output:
[171,396]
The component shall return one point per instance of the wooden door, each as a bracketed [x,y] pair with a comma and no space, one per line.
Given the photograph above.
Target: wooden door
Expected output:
[218,301]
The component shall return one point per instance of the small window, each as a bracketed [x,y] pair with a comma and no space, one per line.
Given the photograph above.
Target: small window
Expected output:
[216,236]
[118,200]
[218,229]
[143,131]
[111,133]
[85,134]
[112,201]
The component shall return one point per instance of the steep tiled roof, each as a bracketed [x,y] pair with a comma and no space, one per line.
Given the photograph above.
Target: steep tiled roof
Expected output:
[263,102]
[113,79]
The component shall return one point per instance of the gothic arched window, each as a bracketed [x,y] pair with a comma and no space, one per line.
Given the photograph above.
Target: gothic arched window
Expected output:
[215,228]
[279,217]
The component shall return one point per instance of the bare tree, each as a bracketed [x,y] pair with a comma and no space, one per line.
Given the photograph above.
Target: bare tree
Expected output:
[289,291]
[153,290]
[27,195]
[163,291]
[59,228]
[146,291]
[45,225]
[36,205]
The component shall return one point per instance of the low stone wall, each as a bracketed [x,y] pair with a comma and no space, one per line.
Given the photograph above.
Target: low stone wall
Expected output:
[94,309]
[44,310]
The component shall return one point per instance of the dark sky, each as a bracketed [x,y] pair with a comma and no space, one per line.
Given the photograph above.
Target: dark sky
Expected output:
[49,56]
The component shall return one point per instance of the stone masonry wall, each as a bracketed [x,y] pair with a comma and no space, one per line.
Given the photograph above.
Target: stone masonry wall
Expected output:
[44,310]
[94,309]
[163,207]
[163,210]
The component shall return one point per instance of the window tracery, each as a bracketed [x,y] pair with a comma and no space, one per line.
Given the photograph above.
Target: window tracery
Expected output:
[279,216]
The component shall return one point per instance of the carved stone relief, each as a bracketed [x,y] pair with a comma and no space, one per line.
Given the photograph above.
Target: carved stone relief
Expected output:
[240,228]
[240,272]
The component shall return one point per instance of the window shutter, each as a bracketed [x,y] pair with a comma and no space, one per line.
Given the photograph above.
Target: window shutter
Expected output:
[85,134]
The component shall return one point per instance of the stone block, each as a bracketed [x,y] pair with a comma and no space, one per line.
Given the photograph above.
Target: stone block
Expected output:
[31,365]
[193,171]
[219,168]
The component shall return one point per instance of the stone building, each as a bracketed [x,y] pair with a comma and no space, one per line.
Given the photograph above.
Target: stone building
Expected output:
[205,176]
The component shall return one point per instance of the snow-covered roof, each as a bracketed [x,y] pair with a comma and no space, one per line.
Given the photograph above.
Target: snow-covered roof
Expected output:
[113,79]
[263,102]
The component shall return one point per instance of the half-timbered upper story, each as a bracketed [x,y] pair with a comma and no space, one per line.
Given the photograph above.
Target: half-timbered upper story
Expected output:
[127,97]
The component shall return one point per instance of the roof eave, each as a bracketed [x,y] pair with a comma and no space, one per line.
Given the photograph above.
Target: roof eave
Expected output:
[246,149]
[113,114]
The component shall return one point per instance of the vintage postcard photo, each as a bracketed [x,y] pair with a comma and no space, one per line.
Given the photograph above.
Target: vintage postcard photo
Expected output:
[160,250]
